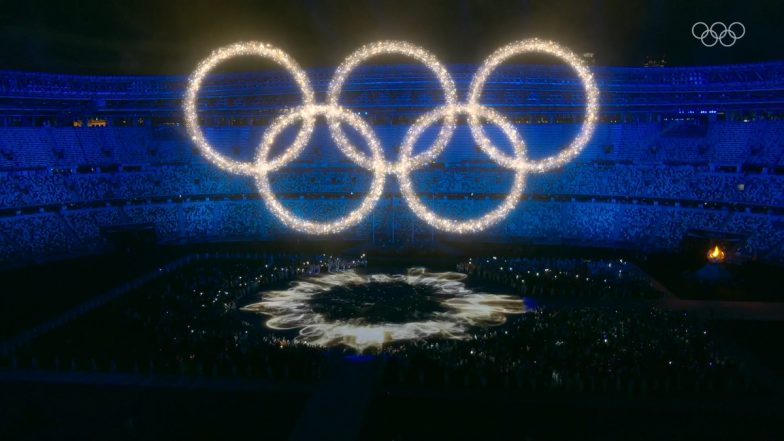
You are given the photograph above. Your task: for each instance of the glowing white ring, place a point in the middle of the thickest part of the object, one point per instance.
(547, 47)
(732, 34)
(729, 28)
(398, 48)
(263, 168)
(704, 33)
(471, 225)
(222, 54)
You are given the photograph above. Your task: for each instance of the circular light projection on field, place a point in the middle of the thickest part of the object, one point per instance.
(370, 310)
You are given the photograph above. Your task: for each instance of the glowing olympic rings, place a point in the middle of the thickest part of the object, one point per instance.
(337, 115)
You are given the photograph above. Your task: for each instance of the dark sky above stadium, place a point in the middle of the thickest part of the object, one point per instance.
(169, 37)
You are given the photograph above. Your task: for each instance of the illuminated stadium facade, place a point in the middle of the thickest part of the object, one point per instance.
(675, 150)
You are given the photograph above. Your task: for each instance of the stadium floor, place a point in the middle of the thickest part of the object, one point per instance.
(91, 405)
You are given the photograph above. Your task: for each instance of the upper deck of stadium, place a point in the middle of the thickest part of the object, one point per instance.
(545, 88)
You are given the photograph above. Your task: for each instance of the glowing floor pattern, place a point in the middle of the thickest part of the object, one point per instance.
(462, 309)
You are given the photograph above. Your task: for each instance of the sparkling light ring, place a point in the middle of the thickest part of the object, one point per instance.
(407, 166)
(583, 73)
(397, 48)
(263, 167)
(222, 54)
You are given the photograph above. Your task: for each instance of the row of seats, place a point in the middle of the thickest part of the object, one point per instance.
(649, 227)
(758, 142)
(687, 183)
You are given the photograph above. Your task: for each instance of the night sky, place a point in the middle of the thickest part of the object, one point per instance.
(169, 37)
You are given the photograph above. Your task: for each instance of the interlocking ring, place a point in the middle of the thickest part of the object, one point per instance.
(235, 50)
(387, 48)
(717, 37)
(263, 168)
(461, 226)
(408, 162)
(591, 97)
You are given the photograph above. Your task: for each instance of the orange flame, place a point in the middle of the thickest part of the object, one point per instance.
(716, 254)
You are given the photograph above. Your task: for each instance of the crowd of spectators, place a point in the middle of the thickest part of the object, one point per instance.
(719, 142)
(614, 200)
(676, 183)
(188, 322)
(574, 350)
(646, 227)
(558, 277)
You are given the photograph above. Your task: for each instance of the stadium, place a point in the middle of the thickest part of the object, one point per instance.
(632, 291)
